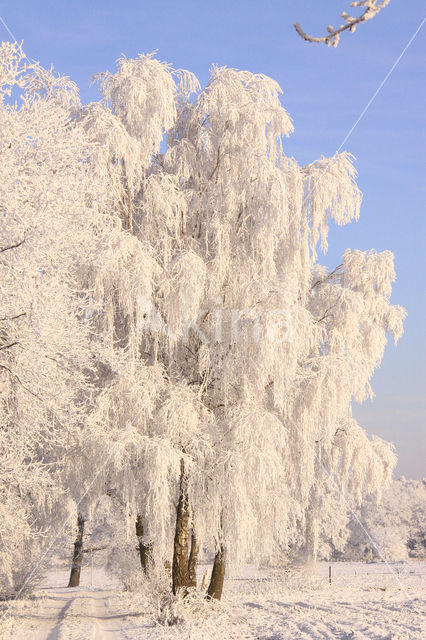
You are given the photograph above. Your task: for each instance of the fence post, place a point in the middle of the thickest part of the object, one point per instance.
(329, 574)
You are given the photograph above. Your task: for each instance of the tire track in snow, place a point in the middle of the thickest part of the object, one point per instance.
(88, 617)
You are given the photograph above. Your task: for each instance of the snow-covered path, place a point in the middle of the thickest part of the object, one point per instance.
(68, 614)
(364, 602)
(56, 612)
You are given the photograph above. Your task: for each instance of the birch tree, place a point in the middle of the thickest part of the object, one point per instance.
(50, 214)
(196, 345)
(274, 346)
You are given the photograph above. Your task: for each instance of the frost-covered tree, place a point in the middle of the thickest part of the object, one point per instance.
(49, 230)
(354, 316)
(260, 348)
(394, 529)
(212, 361)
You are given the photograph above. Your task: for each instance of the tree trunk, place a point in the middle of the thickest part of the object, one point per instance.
(312, 530)
(78, 554)
(180, 573)
(144, 549)
(218, 575)
(204, 580)
(193, 559)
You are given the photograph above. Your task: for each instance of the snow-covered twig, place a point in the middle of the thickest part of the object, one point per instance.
(372, 8)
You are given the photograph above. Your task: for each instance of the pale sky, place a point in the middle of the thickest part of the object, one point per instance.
(325, 92)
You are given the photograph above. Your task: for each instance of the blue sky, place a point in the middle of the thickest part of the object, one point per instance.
(325, 91)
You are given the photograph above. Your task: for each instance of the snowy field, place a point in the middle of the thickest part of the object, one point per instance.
(371, 601)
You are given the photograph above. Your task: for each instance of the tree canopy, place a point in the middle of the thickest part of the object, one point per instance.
(168, 335)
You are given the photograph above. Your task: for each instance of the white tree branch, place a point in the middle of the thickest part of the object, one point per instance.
(372, 8)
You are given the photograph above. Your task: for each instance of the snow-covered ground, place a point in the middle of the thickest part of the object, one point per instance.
(363, 601)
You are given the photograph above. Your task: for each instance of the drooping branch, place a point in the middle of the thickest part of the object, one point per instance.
(372, 8)
(197, 226)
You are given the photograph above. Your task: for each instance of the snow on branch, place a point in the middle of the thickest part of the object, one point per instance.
(332, 194)
(19, 315)
(372, 8)
(18, 379)
(175, 321)
(12, 246)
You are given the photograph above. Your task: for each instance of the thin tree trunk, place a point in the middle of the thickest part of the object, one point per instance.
(312, 528)
(204, 580)
(218, 575)
(78, 554)
(193, 560)
(144, 549)
(180, 573)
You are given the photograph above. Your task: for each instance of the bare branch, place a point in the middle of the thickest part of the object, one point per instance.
(20, 315)
(14, 375)
(12, 246)
(372, 8)
(329, 276)
(7, 346)
(325, 316)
